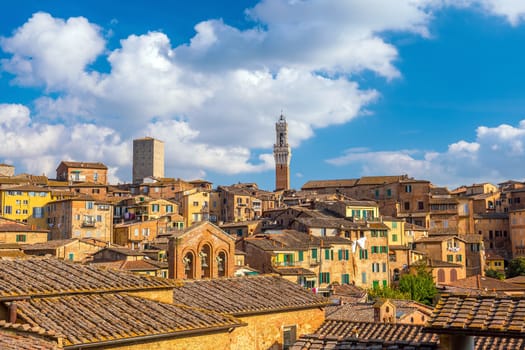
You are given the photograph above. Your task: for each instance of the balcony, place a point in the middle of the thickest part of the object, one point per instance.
(88, 223)
(285, 263)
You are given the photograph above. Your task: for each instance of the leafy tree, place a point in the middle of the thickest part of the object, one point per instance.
(495, 274)
(420, 286)
(516, 267)
(387, 293)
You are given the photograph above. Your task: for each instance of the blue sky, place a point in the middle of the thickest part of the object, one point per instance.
(430, 88)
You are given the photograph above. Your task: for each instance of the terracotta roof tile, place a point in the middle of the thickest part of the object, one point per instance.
(94, 318)
(370, 330)
(479, 315)
(339, 335)
(247, 295)
(316, 184)
(25, 337)
(484, 283)
(87, 165)
(38, 277)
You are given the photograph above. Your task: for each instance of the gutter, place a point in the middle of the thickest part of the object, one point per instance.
(229, 328)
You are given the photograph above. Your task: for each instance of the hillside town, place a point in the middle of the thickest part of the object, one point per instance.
(170, 263)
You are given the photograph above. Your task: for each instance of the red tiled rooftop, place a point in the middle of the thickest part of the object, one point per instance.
(97, 318)
(38, 277)
(479, 315)
(247, 295)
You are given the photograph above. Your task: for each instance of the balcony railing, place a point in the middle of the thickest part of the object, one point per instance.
(88, 223)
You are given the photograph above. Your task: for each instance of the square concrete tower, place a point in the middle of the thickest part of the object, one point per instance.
(148, 159)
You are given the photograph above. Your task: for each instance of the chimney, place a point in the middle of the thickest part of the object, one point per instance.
(12, 312)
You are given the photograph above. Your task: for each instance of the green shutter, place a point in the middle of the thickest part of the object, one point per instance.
(301, 255)
(314, 254)
(340, 254)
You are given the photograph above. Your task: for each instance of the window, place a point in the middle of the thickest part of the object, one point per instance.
(24, 211)
(314, 254)
(450, 258)
(384, 267)
(408, 188)
(324, 277)
(345, 278)
(363, 277)
(239, 232)
(25, 202)
(155, 208)
(375, 284)
(394, 238)
(363, 254)
(407, 205)
(420, 205)
(389, 192)
(383, 249)
(145, 232)
(394, 224)
(375, 267)
(89, 205)
(95, 190)
(71, 256)
(169, 208)
(136, 232)
(377, 193)
(8, 209)
(18, 211)
(20, 238)
(18, 202)
(289, 336)
(459, 258)
(95, 176)
(301, 256)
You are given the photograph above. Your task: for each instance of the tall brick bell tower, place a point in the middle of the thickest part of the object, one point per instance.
(282, 154)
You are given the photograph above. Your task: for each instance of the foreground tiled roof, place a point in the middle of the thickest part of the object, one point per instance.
(24, 337)
(247, 295)
(479, 315)
(98, 318)
(321, 342)
(38, 277)
(339, 335)
(376, 331)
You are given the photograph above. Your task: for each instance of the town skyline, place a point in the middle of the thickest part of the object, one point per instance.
(433, 93)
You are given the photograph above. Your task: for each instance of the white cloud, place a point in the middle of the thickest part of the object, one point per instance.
(492, 157)
(52, 51)
(215, 99)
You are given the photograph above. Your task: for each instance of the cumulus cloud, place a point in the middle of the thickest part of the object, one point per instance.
(214, 99)
(491, 156)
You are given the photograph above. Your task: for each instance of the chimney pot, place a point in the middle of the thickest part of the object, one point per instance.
(12, 312)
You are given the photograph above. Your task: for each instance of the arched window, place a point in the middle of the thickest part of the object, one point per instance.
(453, 275)
(222, 264)
(441, 275)
(189, 265)
(205, 261)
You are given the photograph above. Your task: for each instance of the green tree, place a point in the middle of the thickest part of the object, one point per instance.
(387, 293)
(516, 267)
(495, 274)
(420, 286)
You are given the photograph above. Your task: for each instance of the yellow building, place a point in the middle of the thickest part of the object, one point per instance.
(81, 217)
(25, 204)
(195, 206)
(16, 232)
